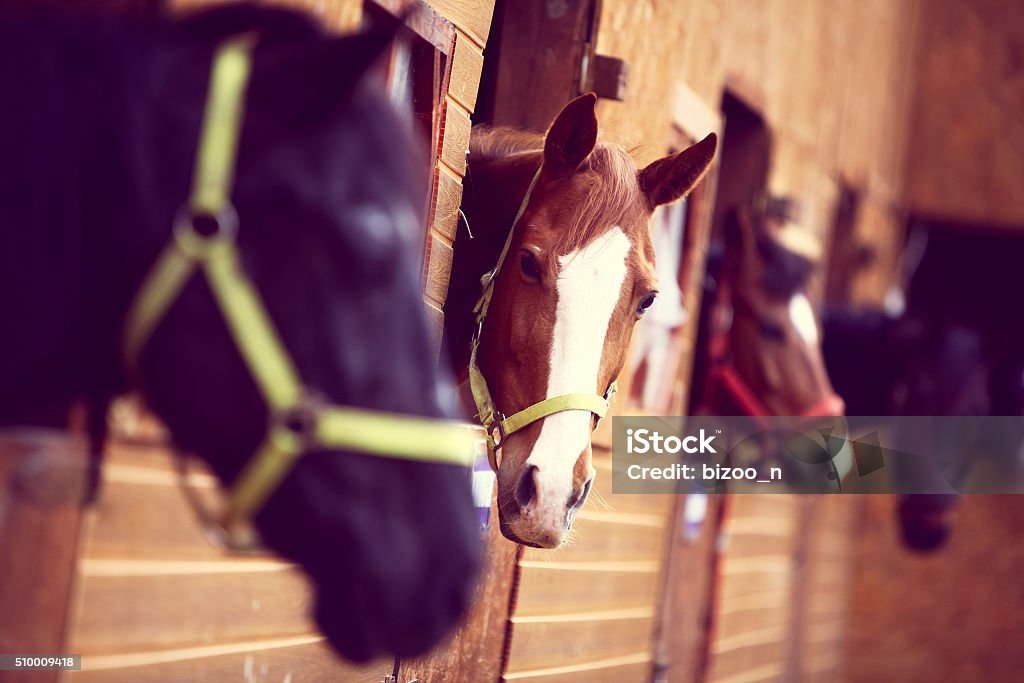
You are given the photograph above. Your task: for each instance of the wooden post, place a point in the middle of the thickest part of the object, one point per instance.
(42, 482)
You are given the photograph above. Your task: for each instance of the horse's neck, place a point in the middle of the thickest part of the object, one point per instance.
(61, 261)
(493, 194)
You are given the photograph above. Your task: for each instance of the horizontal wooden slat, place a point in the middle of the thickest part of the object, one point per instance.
(756, 564)
(750, 545)
(763, 672)
(435, 325)
(302, 659)
(624, 669)
(144, 453)
(472, 16)
(149, 612)
(467, 66)
(449, 199)
(758, 620)
(145, 521)
(455, 145)
(770, 635)
(594, 541)
(554, 591)
(561, 644)
(767, 600)
(742, 585)
(602, 498)
(439, 269)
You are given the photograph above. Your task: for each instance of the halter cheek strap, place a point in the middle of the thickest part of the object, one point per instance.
(489, 416)
(297, 423)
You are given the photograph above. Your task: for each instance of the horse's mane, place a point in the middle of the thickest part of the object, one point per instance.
(786, 272)
(614, 198)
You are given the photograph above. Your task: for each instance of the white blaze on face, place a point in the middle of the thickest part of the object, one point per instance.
(590, 282)
(802, 316)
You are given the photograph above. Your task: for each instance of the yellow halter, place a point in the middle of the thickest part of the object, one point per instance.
(297, 423)
(490, 417)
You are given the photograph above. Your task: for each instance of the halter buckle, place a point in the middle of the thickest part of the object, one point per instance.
(498, 426)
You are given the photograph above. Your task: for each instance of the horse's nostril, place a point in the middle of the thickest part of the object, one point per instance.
(576, 500)
(526, 489)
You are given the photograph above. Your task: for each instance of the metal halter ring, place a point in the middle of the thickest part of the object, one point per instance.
(299, 422)
(197, 232)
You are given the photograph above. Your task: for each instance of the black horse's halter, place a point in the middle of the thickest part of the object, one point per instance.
(204, 241)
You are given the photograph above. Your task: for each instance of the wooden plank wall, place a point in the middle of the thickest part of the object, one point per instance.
(954, 615)
(156, 601)
(967, 155)
(588, 611)
(783, 596)
(833, 81)
(472, 20)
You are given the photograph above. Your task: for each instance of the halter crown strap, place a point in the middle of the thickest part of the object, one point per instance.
(489, 416)
(297, 424)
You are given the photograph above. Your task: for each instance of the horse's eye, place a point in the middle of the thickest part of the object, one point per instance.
(773, 332)
(528, 266)
(646, 303)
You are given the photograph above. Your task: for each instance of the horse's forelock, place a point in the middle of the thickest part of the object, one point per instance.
(612, 199)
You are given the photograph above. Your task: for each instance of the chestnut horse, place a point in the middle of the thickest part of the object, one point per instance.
(759, 348)
(578, 275)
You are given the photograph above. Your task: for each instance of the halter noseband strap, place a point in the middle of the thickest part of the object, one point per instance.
(490, 417)
(297, 423)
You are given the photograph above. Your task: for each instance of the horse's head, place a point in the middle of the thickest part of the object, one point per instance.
(328, 197)
(579, 274)
(774, 342)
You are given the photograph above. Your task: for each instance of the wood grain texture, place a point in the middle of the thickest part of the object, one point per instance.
(447, 203)
(39, 542)
(563, 644)
(473, 654)
(966, 157)
(558, 591)
(539, 67)
(155, 601)
(953, 615)
(455, 141)
(472, 16)
(435, 326)
(296, 659)
(184, 609)
(467, 65)
(439, 268)
(632, 667)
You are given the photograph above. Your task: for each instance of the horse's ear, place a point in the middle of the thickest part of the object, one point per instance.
(572, 136)
(672, 177)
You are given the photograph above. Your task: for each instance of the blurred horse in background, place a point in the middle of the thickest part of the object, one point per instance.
(946, 345)
(908, 365)
(759, 349)
(98, 135)
(575, 214)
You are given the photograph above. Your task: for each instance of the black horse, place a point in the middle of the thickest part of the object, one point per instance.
(954, 350)
(908, 365)
(98, 134)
